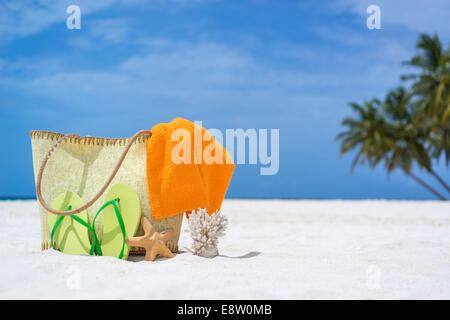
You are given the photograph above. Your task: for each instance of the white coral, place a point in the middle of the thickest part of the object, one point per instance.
(205, 232)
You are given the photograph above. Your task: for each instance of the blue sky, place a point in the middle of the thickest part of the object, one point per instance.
(291, 65)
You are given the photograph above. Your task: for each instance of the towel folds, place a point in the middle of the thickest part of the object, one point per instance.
(187, 169)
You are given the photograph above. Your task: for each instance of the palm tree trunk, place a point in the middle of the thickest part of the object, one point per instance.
(441, 181)
(426, 186)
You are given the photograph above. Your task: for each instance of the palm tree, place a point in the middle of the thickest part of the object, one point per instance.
(410, 126)
(365, 134)
(432, 89)
(408, 137)
(382, 131)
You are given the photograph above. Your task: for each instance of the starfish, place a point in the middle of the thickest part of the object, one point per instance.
(153, 242)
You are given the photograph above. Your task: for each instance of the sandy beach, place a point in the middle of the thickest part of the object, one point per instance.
(273, 249)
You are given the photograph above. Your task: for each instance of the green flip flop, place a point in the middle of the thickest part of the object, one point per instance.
(121, 216)
(70, 234)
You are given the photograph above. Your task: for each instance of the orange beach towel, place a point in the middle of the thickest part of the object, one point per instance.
(187, 169)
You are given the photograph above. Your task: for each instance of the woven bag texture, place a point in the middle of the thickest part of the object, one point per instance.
(82, 165)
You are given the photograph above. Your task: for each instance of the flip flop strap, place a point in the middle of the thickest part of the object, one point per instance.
(114, 202)
(95, 243)
(88, 204)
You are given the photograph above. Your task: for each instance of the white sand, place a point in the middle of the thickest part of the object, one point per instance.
(273, 249)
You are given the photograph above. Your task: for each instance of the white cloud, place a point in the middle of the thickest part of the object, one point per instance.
(27, 17)
(211, 80)
(112, 31)
(213, 76)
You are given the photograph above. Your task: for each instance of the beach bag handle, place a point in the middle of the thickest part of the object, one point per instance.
(102, 190)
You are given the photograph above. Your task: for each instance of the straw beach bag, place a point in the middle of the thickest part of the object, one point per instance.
(88, 166)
